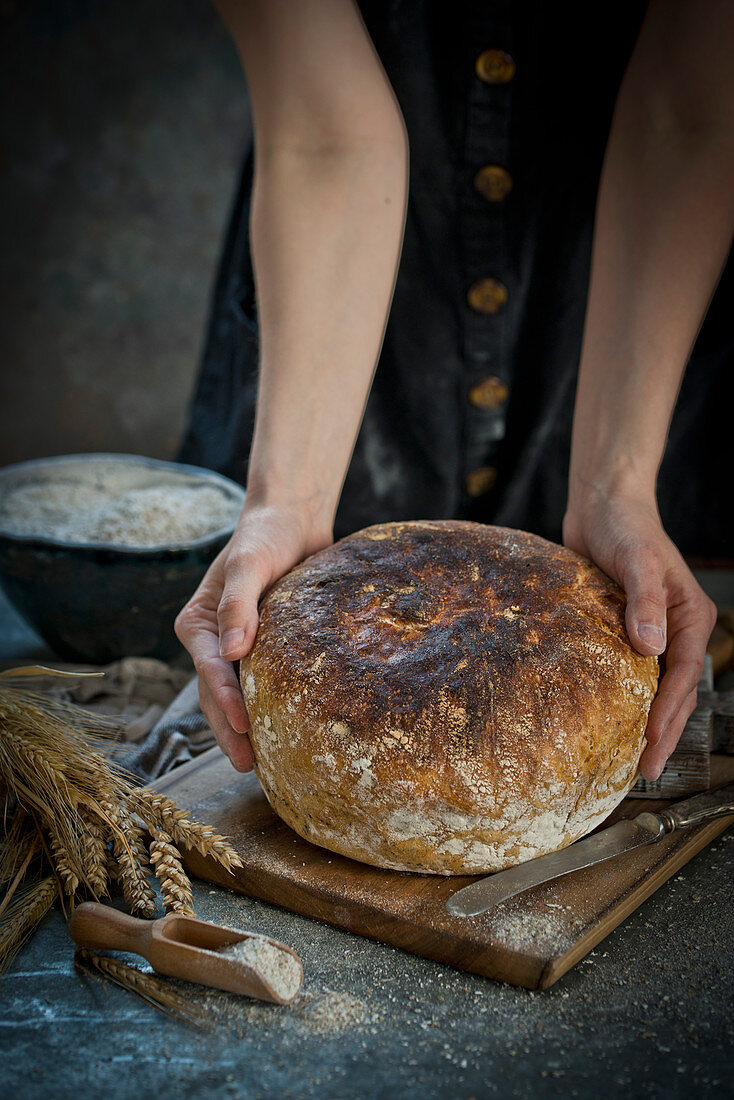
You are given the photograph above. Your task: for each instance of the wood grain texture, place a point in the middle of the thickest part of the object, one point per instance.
(529, 941)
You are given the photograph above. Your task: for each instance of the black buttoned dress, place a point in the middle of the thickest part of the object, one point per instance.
(507, 107)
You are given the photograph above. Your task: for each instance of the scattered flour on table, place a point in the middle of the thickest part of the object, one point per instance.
(98, 513)
(278, 968)
(335, 1012)
(316, 1011)
(528, 931)
(543, 924)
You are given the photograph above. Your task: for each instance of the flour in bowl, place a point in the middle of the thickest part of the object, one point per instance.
(156, 515)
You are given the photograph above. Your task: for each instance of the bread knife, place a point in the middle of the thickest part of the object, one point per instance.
(646, 828)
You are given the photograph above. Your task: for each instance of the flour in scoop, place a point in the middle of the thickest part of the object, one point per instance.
(280, 969)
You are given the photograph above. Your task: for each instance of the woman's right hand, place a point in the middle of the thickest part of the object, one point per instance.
(219, 623)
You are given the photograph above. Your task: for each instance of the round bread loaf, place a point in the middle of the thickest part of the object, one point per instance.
(445, 697)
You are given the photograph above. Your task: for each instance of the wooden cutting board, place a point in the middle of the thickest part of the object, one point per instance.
(530, 940)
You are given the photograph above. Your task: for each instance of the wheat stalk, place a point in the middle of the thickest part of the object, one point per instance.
(152, 990)
(21, 918)
(8, 897)
(175, 886)
(19, 840)
(167, 815)
(37, 720)
(49, 760)
(76, 801)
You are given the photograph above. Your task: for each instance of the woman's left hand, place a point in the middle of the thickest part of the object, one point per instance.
(668, 614)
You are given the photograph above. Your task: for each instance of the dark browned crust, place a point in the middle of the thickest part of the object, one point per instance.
(390, 620)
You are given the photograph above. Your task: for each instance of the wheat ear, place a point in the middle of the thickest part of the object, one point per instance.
(65, 861)
(152, 990)
(95, 850)
(165, 814)
(175, 885)
(22, 917)
(132, 858)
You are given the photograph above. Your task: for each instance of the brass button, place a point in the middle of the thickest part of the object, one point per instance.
(487, 296)
(493, 182)
(480, 481)
(495, 67)
(490, 393)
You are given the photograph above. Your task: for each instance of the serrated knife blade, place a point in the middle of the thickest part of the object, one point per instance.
(646, 828)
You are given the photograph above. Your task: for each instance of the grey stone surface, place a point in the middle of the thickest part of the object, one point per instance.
(122, 129)
(647, 1014)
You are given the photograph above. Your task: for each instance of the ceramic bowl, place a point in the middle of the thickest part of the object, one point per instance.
(96, 602)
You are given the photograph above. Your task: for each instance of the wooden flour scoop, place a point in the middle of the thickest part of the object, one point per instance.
(182, 947)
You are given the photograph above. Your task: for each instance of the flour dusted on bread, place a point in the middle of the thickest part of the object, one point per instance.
(445, 697)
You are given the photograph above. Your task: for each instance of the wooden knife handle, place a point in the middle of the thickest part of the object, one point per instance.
(702, 807)
(103, 928)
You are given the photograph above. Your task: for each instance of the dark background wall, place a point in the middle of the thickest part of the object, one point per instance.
(122, 128)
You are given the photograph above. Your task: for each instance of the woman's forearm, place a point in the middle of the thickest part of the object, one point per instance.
(663, 229)
(326, 236)
(327, 217)
(664, 225)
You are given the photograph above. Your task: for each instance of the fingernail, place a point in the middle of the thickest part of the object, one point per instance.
(653, 635)
(231, 641)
